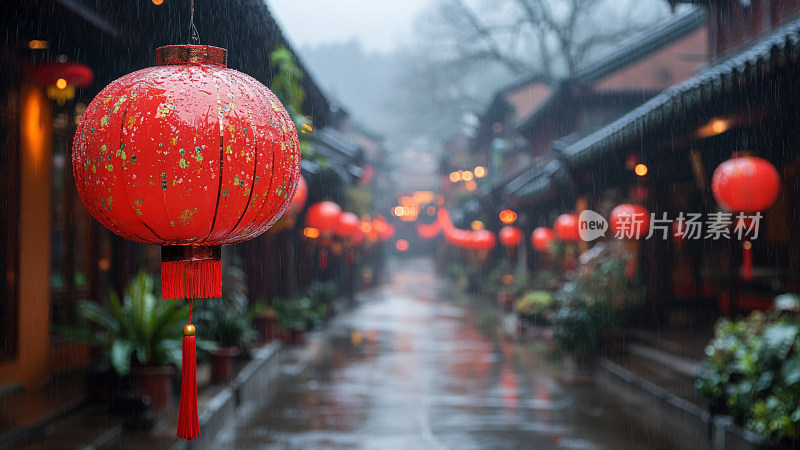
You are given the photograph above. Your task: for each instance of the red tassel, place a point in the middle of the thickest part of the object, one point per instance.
(747, 261)
(188, 421)
(191, 279)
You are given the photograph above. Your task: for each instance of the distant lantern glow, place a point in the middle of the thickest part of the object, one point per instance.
(311, 233)
(61, 83)
(430, 210)
(719, 126)
(455, 177)
(479, 172)
(476, 225)
(38, 44)
(401, 245)
(640, 170)
(467, 175)
(158, 2)
(714, 127)
(508, 216)
(471, 185)
(397, 211)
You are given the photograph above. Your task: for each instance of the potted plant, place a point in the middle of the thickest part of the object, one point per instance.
(227, 322)
(594, 307)
(232, 332)
(534, 307)
(141, 337)
(297, 315)
(752, 373)
(265, 320)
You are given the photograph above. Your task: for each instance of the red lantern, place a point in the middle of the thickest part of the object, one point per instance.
(630, 221)
(62, 78)
(324, 216)
(482, 240)
(745, 184)
(428, 231)
(542, 239)
(510, 236)
(349, 225)
(566, 228)
(189, 155)
(299, 199)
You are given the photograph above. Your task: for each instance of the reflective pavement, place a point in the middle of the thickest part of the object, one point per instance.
(416, 366)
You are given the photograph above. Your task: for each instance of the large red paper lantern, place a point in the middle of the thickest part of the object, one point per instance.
(630, 221)
(566, 227)
(188, 155)
(510, 236)
(745, 184)
(324, 216)
(349, 225)
(542, 239)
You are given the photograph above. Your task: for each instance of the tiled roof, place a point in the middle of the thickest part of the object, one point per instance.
(772, 49)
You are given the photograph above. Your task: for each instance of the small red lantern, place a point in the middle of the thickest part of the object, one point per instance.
(323, 216)
(62, 78)
(630, 221)
(349, 225)
(188, 155)
(745, 184)
(566, 228)
(510, 236)
(428, 231)
(299, 198)
(542, 239)
(482, 240)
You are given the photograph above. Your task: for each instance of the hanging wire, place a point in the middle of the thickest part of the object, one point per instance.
(194, 38)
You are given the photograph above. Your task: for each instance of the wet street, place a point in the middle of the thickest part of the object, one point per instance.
(416, 366)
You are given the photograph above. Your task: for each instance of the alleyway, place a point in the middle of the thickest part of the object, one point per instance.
(411, 368)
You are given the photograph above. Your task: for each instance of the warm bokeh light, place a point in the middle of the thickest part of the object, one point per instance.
(480, 172)
(476, 225)
(508, 279)
(471, 186)
(714, 127)
(747, 245)
(640, 170)
(397, 211)
(508, 216)
(430, 210)
(158, 2)
(401, 245)
(311, 233)
(467, 175)
(38, 44)
(455, 177)
(61, 83)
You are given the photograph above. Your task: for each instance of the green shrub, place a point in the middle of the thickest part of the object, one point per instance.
(752, 369)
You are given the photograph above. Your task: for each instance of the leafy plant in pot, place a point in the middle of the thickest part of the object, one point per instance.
(227, 322)
(298, 315)
(141, 337)
(265, 320)
(594, 307)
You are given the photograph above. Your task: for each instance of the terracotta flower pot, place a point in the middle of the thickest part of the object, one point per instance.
(222, 363)
(156, 383)
(267, 328)
(296, 336)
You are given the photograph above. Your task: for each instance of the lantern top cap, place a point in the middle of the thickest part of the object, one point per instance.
(191, 54)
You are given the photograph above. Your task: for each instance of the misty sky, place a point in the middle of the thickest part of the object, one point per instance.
(378, 25)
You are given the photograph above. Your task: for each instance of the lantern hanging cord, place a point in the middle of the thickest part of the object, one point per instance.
(194, 38)
(190, 311)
